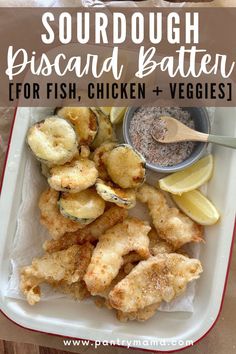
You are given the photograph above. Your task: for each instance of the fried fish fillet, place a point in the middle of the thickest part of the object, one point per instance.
(56, 224)
(107, 258)
(77, 291)
(60, 269)
(90, 233)
(171, 224)
(162, 277)
(158, 245)
(140, 315)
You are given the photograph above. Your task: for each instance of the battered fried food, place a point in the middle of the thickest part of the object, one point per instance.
(125, 198)
(107, 258)
(140, 315)
(157, 245)
(132, 257)
(52, 141)
(105, 130)
(100, 157)
(84, 121)
(171, 224)
(60, 269)
(83, 207)
(56, 224)
(78, 290)
(126, 167)
(73, 177)
(162, 277)
(90, 233)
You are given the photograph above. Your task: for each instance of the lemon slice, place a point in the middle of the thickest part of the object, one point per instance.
(189, 179)
(197, 207)
(117, 114)
(106, 110)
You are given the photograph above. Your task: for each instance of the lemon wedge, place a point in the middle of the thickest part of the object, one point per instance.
(197, 207)
(106, 110)
(117, 114)
(189, 179)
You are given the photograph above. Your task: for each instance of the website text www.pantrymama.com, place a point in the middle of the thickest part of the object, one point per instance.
(129, 343)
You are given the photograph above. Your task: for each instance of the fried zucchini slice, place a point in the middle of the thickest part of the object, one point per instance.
(105, 130)
(83, 207)
(53, 141)
(73, 177)
(125, 198)
(84, 121)
(100, 156)
(126, 167)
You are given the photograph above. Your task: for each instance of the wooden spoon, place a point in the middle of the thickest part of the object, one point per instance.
(176, 132)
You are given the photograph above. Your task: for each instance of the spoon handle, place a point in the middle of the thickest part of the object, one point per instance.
(222, 140)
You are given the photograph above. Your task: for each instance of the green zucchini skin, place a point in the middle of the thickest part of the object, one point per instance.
(122, 198)
(83, 207)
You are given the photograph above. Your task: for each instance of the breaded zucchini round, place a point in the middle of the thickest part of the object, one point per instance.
(84, 121)
(125, 198)
(83, 207)
(126, 167)
(105, 130)
(73, 177)
(100, 156)
(53, 141)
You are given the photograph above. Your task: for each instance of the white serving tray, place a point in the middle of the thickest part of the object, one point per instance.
(165, 331)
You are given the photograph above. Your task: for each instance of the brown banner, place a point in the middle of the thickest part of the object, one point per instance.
(122, 57)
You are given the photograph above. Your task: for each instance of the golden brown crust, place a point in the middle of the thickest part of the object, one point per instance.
(73, 177)
(126, 167)
(140, 315)
(100, 157)
(56, 224)
(107, 258)
(78, 290)
(84, 121)
(90, 233)
(158, 245)
(171, 224)
(159, 278)
(60, 269)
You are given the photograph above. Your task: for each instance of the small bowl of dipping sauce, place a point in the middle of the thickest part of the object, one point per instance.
(139, 123)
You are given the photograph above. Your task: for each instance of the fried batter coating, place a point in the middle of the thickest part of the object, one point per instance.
(140, 315)
(100, 157)
(107, 258)
(78, 290)
(73, 177)
(158, 245)
(90, 233)
(56, 224)
(162, 277)
(171, 224)
(131, 257)
(60, 269)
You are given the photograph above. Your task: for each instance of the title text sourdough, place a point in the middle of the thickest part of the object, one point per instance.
(116, 28)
